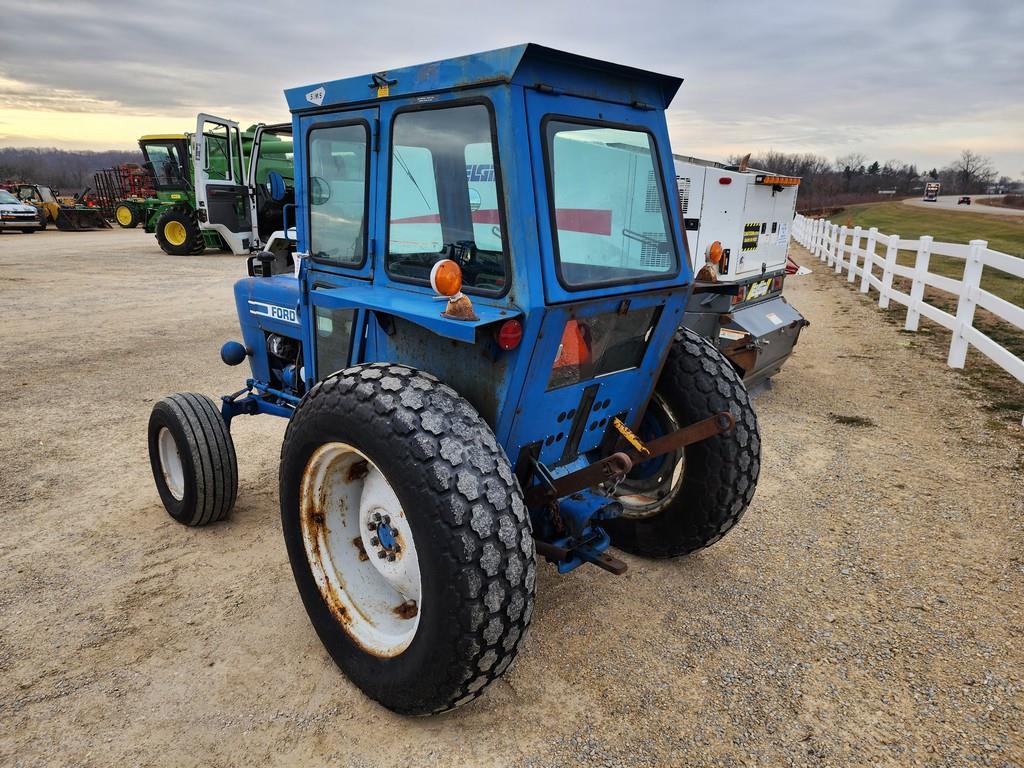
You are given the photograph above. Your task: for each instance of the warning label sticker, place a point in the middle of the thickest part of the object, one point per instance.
(750, 235)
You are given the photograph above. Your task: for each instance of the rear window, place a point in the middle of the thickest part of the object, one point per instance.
(610, 216)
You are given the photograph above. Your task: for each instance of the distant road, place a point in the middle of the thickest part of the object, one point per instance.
(948, 202)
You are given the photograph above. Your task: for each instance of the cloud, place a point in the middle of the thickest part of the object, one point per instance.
(796, 75)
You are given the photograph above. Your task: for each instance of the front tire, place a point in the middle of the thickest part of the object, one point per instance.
(686, 501)
(126, 216)
(425, 627)
(193, 459)
(178, 232)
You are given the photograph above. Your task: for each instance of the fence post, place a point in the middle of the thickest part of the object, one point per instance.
(965, 306)
(917, 287)
(830, 242)
(840, 249)
(887, 265)
(815, 238)
(854, 247)
(820, 250)
(869, 260)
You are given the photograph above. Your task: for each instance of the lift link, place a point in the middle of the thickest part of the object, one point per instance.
(621, 462)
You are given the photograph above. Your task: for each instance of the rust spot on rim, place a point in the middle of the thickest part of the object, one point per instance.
(357, 471)
(358, 542)
(406, 610)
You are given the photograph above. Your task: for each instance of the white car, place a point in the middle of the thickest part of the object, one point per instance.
(14, 214)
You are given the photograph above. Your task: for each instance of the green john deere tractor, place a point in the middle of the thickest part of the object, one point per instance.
(232, 179)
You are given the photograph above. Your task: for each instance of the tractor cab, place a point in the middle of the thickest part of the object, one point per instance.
(480, 354)
(167, 161)
(243, 180)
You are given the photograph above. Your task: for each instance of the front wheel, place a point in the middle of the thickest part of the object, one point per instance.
(193, 459)
(407, 536)
(127, 216)
(687, 500)
(178, 232)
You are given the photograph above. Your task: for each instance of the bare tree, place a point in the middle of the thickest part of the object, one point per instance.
(972, 171)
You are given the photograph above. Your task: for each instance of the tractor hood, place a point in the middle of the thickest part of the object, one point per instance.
(528, 65)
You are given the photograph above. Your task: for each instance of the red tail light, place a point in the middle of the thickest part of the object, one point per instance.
(510, 333)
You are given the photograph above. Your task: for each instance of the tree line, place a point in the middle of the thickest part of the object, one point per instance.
(69, 171)
(853, 178)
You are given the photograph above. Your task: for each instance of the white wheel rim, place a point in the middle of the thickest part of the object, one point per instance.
(170, 463)
(377, 600)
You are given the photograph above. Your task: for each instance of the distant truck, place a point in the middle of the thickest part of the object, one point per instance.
(738, 224)
(931, 191)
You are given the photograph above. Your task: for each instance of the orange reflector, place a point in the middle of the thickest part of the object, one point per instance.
(446, 277)
(715, 252)
(780, 181)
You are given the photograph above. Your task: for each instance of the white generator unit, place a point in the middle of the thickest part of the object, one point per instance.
(738, 225)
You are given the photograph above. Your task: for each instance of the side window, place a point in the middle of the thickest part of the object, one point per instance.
(444, 198)
(333, 339)
(337, 193)
(217, 160)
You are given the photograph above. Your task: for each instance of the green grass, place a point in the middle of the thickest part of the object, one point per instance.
(1003, 233)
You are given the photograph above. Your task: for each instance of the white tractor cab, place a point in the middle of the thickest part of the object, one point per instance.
(738, 224)
(245, 187)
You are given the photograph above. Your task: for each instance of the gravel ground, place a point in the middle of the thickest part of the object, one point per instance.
(866, 611)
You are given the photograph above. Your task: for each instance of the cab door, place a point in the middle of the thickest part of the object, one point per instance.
(336, 183)
(224, 202)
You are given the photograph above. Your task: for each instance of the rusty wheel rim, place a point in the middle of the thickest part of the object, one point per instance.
(360, 549)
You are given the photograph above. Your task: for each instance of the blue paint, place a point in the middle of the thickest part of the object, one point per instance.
(394, 320)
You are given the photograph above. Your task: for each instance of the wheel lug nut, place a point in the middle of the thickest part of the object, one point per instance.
(397, 549)
(374, 541)
(376, 516)
(391, 557)
(371, 526)
(382, 554)
(387, 520)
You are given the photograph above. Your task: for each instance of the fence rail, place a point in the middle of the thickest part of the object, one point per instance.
(855, 250)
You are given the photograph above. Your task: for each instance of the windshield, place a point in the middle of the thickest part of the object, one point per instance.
(166, 164)
(444, 198)
(7, 198)
(610, 215)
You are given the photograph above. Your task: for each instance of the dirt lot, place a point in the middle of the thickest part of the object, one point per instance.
(867, 610)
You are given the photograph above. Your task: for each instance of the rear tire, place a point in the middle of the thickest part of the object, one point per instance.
(29, 231)
(178, 232)
(193, 459)
(457, 508)
(703, 491)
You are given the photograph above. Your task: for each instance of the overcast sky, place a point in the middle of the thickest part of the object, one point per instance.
(913, 80)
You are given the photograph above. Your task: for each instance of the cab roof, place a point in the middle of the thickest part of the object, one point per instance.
(164, 137)
(529, 65)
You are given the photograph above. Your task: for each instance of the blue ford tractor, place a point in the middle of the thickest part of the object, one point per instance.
(477, 346)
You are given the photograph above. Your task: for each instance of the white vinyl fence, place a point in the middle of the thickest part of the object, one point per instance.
(855, 251)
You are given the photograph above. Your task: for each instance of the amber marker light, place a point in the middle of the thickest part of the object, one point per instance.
(715, 252)
(446, 278)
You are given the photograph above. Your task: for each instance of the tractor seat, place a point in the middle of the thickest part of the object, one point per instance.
(277, 186)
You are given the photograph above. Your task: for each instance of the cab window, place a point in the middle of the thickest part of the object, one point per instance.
(444, 199)
(337, 193)
(609, 214)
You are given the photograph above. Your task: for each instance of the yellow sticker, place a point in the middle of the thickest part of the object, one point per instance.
(631, 438)
(382, 91)
(175, 196)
